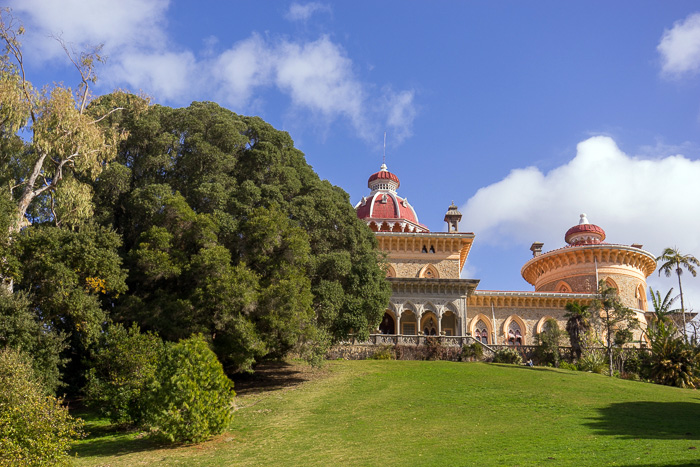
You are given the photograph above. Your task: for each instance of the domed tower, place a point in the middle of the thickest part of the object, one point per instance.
(429, 296)
(587, 259)
(383, 209)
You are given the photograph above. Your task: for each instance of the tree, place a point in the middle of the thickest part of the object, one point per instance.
(123, 371)
(548, 342)
(577, 325)
(662, 307)
(229, 232)
(675, 261)
(618, 321)
(65, 147)
(193, 399)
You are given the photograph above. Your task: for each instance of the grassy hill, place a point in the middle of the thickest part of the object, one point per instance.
(434, 413)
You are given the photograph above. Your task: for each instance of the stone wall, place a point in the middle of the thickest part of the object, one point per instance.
(447, 268)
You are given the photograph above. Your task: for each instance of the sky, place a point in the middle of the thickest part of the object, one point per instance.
(525, 114)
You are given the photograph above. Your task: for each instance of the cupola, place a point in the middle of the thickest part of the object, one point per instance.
(584, 233)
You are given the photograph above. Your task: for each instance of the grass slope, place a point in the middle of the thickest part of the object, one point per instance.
(438, 413)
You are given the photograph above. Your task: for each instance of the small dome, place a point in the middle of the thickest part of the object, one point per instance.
(383, 176)
(584, 233)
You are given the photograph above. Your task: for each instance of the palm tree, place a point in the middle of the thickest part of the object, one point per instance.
(674, 261)
(577, 325)
(662, 307)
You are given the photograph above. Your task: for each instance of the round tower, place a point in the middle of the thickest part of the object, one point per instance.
(586, 260)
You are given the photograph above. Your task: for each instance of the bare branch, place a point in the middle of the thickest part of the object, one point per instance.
(107, 114)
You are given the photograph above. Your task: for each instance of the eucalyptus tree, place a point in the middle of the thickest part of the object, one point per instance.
(675, 261)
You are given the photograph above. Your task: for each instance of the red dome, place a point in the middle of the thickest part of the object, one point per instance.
(584, 233)
(383, 175)
(386, 206)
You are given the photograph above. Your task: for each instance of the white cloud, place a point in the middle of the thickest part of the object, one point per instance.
(116, 24)
(680, 47)
(302, 12)
(167, 75)
(649, 201)
(402, 112)
(317, 76)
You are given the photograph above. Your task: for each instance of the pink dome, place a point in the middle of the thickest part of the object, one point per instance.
(584, 233)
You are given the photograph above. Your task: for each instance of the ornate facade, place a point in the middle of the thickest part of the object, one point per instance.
(430, 298)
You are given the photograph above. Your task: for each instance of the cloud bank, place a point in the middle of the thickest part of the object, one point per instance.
(652, 201)
(317, 76)
(680, 47)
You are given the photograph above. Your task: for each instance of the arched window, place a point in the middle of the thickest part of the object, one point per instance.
(432, 249)
(424, 250)
(611, 283)
(481, 332)
(429, 272)
(641, 297)
(515, 335)
(430, 327)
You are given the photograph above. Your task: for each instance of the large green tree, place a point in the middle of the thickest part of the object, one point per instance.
(673, 261)
(229, 232)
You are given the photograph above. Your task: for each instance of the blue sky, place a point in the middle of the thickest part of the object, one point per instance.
(524, 113)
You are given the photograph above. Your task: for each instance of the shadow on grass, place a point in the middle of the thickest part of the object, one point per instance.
(649, 420)
(270, 376)
(104, 439)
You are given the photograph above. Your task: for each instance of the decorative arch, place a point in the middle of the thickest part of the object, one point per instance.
(480, 324)
(515, 330)
(540, 324)
(409, 324)
(563, 287)
(641, 295)
(448, 323)
(429, 272)
(388, 324)
(373, 226)
(390, 271)
(429, 324)
(611, 283)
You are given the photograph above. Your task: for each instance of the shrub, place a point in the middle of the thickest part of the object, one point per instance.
(385, 352)
(193, 399)
(35, 429)
(123, 371)
(548, 342)
(434, 350)
(473, 351)
(593, 360)
(567, 366)
(507, 356)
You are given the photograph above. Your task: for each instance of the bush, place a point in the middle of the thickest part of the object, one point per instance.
(548, 342)
(385, 352)
(593, 360)
(123, 371)
(434, 350)
(507, 356)
(567, 366)
(35, 429)
(473, 351)
(193, 399)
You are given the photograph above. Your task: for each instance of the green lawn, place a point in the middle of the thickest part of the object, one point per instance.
(436, 413)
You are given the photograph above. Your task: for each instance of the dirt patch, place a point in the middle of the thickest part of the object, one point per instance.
(274, 376)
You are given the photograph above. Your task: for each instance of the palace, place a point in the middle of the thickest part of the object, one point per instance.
(430, 298)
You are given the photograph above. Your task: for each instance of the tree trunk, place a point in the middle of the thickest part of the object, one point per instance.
(680, 288)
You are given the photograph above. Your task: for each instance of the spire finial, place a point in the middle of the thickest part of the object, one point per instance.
(384, 156)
